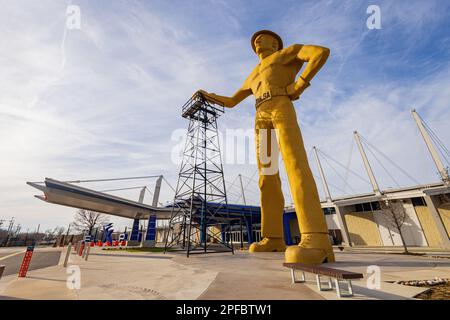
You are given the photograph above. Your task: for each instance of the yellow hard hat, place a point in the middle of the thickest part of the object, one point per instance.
(273, 34)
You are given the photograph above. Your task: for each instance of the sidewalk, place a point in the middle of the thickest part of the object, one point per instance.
(427, 251)
(125, 275)
(111, 276)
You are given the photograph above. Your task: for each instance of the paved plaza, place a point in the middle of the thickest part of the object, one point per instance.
(144, 275)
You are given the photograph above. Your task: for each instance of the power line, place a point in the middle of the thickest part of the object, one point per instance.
(384, 168)
(112, 179)
(441, 147)
(250, 180)
(337, 173)
(232, 183)
(440, 143)
(170, 186)
(348, 163)
(120, 189)
(333, 185)
(388, 159)
(285, 180)
(342, 166)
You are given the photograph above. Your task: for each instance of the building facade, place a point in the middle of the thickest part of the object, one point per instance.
(361, 220)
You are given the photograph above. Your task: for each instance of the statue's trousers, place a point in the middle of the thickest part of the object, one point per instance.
(278, 115)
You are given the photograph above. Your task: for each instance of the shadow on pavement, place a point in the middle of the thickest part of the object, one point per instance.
(129, 256)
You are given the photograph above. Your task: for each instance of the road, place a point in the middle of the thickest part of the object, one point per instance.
(42, 258)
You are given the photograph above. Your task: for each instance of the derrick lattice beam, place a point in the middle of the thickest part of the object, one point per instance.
(200, 219)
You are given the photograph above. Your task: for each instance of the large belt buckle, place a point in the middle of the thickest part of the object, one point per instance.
(264, 97)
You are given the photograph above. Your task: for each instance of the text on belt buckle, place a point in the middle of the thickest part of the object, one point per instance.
(265, 96)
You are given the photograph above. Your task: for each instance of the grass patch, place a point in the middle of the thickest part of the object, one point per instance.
(438, 292)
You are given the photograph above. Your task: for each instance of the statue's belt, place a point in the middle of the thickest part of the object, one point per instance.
(269, 94)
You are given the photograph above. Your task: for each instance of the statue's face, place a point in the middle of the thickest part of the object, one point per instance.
(266, 42)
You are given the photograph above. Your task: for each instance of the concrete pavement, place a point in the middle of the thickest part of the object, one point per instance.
(425, 251)
(125, 275)
(42, 258)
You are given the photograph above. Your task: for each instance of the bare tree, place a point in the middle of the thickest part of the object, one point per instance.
(53, 234)
(445, 198)
(85, 220)
(396, 216)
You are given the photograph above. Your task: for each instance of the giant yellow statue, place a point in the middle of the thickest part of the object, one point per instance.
(274, 85)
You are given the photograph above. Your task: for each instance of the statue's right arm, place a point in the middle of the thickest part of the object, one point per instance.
(230, 102)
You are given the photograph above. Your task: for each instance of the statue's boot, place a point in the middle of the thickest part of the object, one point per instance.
(314, 248)
(268, 245)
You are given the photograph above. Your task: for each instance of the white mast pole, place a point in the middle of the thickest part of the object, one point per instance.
(373, 181)
(434, 154)
(322, 176)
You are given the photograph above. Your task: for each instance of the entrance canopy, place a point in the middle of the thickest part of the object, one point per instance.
(66, 194)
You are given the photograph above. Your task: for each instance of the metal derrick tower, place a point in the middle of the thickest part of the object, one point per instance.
(200, 220)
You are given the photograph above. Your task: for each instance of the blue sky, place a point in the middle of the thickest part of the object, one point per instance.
(103, 101)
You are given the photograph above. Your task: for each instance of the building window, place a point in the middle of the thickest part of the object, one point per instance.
(367, 206)
(375, 206)
(328, 211)
(419, 201)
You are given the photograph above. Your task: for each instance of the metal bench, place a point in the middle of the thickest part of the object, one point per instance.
(331, 273)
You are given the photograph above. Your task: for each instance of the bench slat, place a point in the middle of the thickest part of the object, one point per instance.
(325, 271)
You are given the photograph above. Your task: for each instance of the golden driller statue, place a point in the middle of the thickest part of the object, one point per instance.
(274, 85)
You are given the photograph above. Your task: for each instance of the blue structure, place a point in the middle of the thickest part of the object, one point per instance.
(151, 229)
(66, 194)
(287, 217)
(248, 216)
(135, 234)
(251, 215)
(107, 233)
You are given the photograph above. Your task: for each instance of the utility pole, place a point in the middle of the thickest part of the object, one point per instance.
(373, 181)
(37, 234)
(67, 234)
(26, 237)
(11, 225)
(322, 176)
(434, 154)
(10, 230)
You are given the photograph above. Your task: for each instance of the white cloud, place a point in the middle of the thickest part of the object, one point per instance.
(105, 104)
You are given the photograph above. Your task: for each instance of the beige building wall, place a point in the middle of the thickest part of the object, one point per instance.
(362, 228)
(444, 213)
(214, 231)
(388, 233)
(159, 236)
(332, 221)
(412, 229)
(428, 226)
